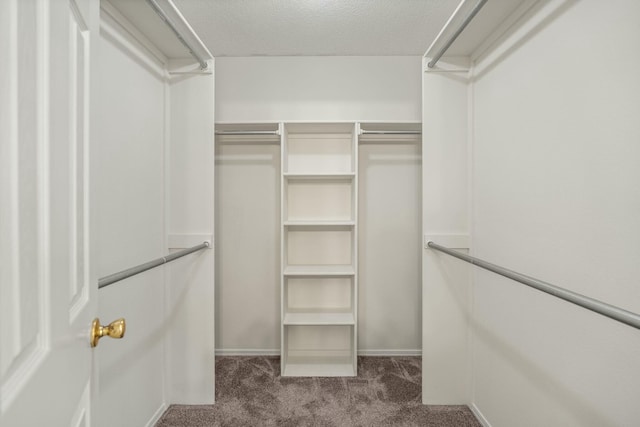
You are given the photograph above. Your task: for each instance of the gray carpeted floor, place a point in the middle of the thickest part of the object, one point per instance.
(251, 392)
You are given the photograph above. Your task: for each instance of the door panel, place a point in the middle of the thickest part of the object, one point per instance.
(24, 332)
(47, 292)
(78, 139)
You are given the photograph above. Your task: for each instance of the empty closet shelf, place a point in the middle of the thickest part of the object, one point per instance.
(319, 318)
(319, 270)
(319, 222)
(319, 176)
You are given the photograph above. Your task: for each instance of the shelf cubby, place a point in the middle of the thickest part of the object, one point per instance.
(319, 350)
(319, 197)
(319, 148)
(319, 301)
(319, 245)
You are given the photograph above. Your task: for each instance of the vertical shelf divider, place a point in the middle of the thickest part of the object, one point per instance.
(355, 154)
(284, 167)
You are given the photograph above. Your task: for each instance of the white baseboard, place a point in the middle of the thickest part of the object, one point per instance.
(479, 415)
(390, 353)
(247, 352)
(156, 416)
(276, 352)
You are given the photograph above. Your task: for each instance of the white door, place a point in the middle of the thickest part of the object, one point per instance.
(48, 287)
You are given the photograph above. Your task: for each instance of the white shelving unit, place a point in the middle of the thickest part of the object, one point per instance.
(318, 237)
(319, 250)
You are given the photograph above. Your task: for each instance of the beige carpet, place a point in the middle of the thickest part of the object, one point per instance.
(251, 392)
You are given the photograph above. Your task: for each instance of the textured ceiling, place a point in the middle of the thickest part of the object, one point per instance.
(316, 27)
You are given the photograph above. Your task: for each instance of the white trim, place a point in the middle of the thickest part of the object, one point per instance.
(13, 174)
(44, 53)
(75, 28)
(156, 416)
(166, 199)
(390, 353)
(479, 415)
(248, 352)
(471, 374)
(80, 297)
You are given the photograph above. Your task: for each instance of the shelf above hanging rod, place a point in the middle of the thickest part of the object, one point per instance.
(390, 132)
(433, 60)
(199, 51)
(248, 132)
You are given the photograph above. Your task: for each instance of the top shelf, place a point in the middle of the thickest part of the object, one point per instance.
(319, 149)
(320, 128)
(390, 133)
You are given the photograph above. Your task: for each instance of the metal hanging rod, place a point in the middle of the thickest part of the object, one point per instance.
(121, 275)
(456, 33)
(161, 13)
(248, 132)
(390, 132)
(610, 311)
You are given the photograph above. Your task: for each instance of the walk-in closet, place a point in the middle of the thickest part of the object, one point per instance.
(319, 212)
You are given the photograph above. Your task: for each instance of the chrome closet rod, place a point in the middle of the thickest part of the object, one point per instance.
(248, 132)
(456, 33)
(390, 132)
(157, 9)
(608, 310)
(121, 275)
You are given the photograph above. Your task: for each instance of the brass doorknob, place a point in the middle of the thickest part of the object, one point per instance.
(114, 329)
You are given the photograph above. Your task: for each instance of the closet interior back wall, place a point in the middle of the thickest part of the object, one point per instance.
(389, 203)
(247, 227)
(248, 248)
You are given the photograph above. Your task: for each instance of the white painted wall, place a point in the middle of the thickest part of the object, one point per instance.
(349, 88)
(445, 282)
(248, 200)
(248, 242)
(190, 288)
(389, 222)
(154, 187)
(556, 167)
(131, 229)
